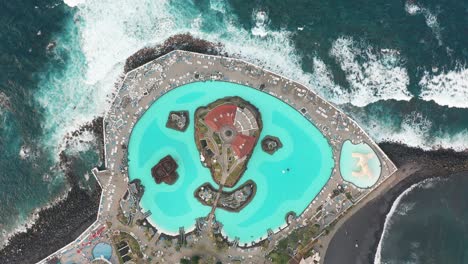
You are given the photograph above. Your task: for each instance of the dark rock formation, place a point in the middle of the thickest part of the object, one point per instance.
(57, 225)
(271, 144)
(177, 42)
(232, 201)
(290, 217)
(165, 171)
(178, 120)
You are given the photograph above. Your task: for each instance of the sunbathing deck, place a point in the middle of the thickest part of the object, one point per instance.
(144, 85)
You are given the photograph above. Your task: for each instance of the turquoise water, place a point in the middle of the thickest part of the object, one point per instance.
(349, 164)
(305, 152)
(428, 224)
(102, 249)
(53, 92)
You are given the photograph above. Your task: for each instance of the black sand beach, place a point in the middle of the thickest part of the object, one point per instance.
(364, 228)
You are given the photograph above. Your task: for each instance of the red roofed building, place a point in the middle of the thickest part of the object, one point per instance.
(220, 116)
(242, 145)
(225, 116)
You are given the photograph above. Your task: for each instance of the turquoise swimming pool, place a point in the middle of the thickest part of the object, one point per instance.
(103, 250)
(286, 181)
(364, 174)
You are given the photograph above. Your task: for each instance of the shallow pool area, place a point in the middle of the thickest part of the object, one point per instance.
(286, 181)
(359, 164)
(102, 250)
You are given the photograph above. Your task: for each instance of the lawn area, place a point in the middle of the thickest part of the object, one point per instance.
(287, 247)
(136, 254)
(235, 175)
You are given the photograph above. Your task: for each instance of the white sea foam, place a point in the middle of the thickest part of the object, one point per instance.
(449, 88)
(218, 5)
(261, 19)
(25, 152)
(29, 221)
(393, 211)
(413, 8)
(323, 81)
(6, 234)
(373, 75)
(83, 142)
(405, 208)
(109, 31)
(73, 3)
(415, 131)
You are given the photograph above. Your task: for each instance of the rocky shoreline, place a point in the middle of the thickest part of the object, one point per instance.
(55, 227)
(177, 42)
(60, 223)
(366, 225)
(227, 196)
(96, 128)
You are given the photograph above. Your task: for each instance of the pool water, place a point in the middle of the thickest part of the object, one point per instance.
(286, 181)
(349, 164)
(102, 250)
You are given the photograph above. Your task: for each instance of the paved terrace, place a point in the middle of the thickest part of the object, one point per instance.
(144, 85)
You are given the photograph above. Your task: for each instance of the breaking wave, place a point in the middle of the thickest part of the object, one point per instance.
(73, 3)
(396, 210)
(373, 75)
(413, 8)
(104, 33)
(323, 82)
(414, 130)
(449, 88)
(89, 55)
(261, 19)
(405, 208)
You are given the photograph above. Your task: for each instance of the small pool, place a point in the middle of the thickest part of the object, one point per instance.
(359, 164)
(102, 250)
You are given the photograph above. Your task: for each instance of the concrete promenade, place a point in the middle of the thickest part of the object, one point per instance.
(144, 85)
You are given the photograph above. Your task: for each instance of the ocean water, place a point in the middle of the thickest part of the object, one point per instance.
(398, 67)
(427, 224)
(305, 153)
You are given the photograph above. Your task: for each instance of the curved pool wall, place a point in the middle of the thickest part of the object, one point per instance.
(349, 164)
(102, 250)
(306, 153)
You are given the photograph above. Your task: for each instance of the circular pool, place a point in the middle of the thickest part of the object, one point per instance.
(102, 250)
(359, 164)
